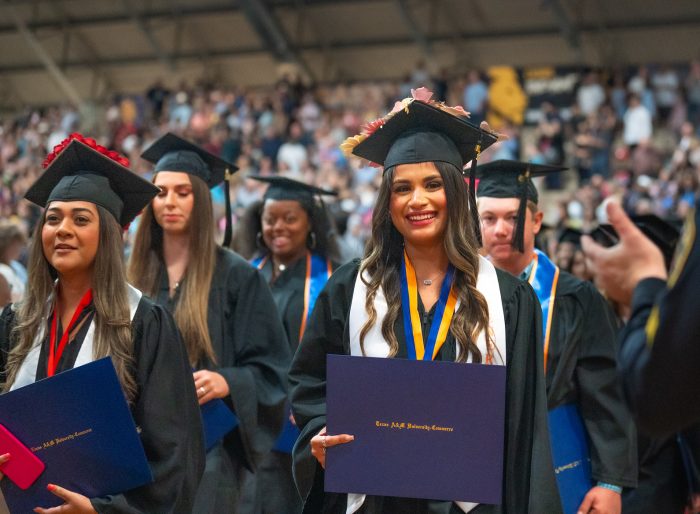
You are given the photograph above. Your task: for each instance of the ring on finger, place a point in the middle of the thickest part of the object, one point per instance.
(323, 442)
(202, 390)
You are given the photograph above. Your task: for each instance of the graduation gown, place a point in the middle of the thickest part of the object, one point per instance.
(251, 350)
(663, 482)
(288, 293)
(165, 408)
(275, 489)
(581, 369)
(529, 485)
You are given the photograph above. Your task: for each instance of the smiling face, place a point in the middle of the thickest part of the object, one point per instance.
(172, 207)
(498, 221)
(70, 236)
(418, 204)
(285, 228)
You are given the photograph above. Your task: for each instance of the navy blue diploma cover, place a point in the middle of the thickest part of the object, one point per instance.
(79, 424)
(572, 463)
(423, 429)
(217, 421)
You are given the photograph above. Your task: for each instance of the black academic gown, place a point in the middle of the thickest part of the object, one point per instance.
(252, 355)
(581, 369)
(529, 485)
(165, 408)
(663, 480)
(274, 483)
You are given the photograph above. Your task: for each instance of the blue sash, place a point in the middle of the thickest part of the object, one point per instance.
(318, 271)
(567, 435)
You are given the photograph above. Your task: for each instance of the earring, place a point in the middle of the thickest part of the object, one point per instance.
(259, 240)
(312, 242)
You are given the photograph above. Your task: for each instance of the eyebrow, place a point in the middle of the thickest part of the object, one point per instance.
(176, 186)
(74, 210)
(514, 211)
(426, 179)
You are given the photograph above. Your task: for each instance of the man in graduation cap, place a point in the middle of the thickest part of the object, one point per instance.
(588, 417)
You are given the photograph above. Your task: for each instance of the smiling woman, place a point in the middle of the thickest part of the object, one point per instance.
(422, 292)
(79, 308)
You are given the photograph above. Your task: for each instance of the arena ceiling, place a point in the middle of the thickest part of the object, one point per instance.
(81, 50)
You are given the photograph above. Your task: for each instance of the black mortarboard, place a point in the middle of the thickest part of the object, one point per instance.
(79, 172)
(172, 153)
(513, 179)
(663, 233)
(570, 235)
(283, 188)
(422, 132)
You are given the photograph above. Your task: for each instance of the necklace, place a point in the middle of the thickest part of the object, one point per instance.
(427, 282)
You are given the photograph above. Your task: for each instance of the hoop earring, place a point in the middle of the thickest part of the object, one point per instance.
(259, 241)
(312, 242)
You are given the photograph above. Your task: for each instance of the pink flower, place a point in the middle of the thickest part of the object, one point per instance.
(371, 127)
(398, 106)
(422, 94)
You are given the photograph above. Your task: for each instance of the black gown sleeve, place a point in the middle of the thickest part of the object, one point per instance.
(660, 354)
(254, 359)
(324, 335)
(529, 481)
(167, 413)
(608, 422)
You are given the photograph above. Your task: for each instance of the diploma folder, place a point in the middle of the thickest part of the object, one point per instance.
(79, 424)
(423, 429)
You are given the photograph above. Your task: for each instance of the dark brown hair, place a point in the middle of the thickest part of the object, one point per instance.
(382, 263)
(113, 334)
(146, 265)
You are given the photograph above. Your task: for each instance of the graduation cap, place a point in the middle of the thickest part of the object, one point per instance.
(172, 153)
(78, 171)
(663, 233)
(513, 179)
(570, 235)
(424, 131)
(283, 188)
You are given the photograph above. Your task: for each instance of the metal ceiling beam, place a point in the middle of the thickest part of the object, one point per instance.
(421, 40)
(145, 29)
(272, 34)
(93, 58)
(47, 61)
(156, 13)
(568, 30)
(194, 32)
(365, 43)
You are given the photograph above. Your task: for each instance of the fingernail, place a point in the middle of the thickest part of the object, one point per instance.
(5, 456)
(51, 487)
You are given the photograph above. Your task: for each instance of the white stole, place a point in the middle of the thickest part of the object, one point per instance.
(27, 371)
(376, 346)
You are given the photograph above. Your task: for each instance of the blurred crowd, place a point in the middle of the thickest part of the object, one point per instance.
(633, 134)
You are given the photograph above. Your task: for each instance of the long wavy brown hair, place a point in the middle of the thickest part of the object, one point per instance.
(147, 263)
(113, 334)
(382, 262)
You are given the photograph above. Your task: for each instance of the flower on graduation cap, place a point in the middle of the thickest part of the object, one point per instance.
(421, 94)
(88, 141)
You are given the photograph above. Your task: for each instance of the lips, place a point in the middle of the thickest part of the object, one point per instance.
(421, 218)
